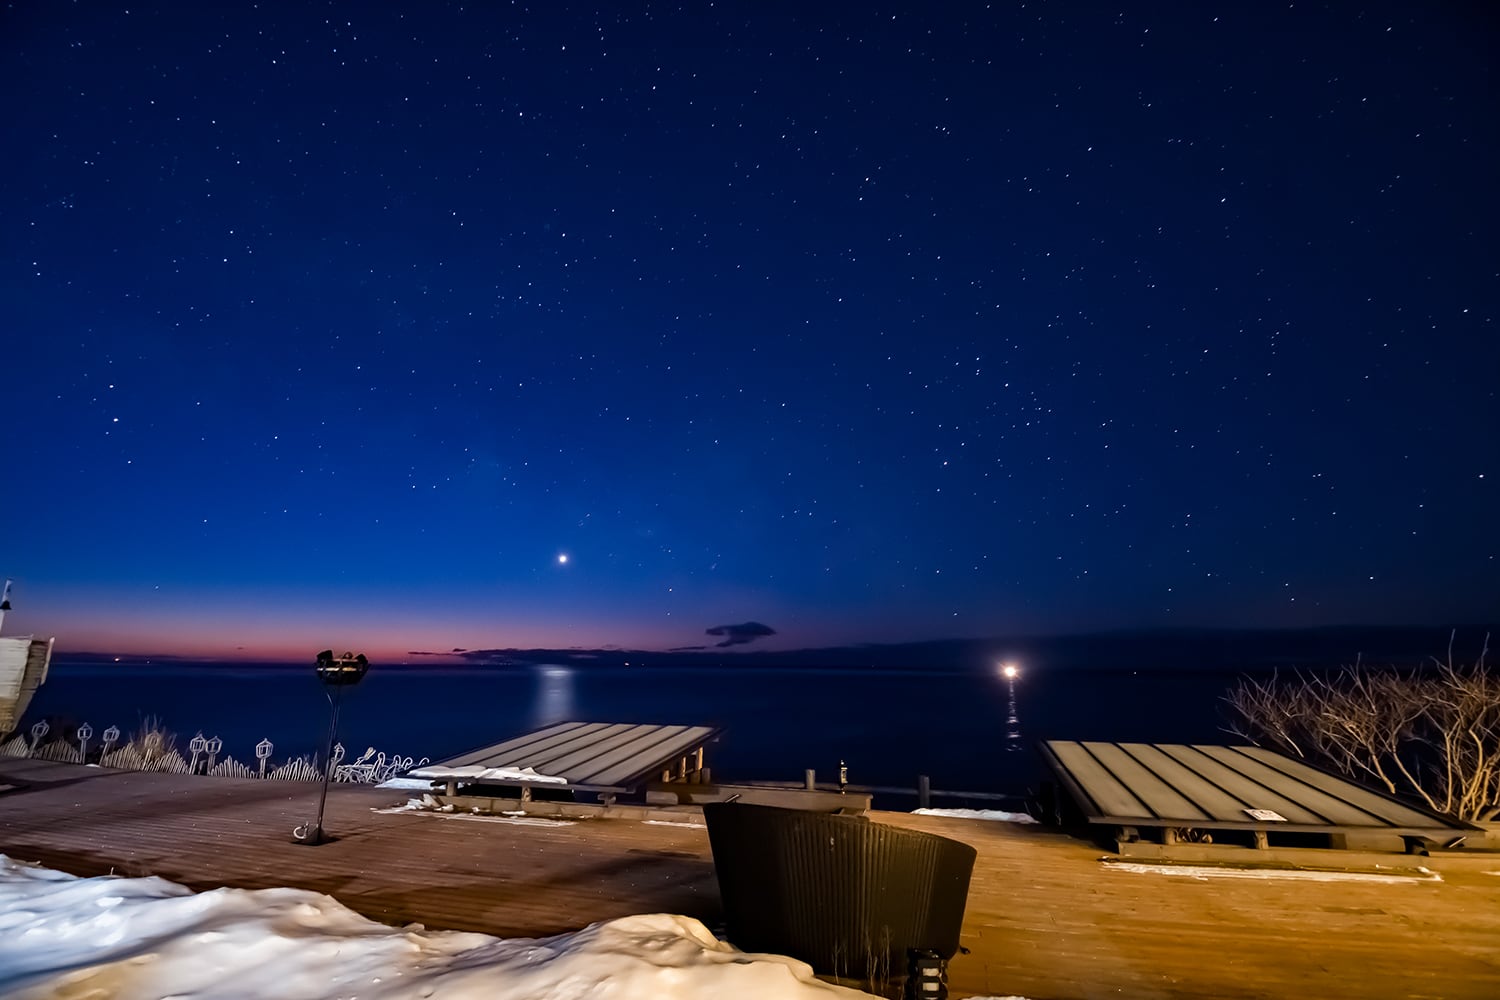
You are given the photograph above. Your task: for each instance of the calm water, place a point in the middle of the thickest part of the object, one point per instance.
(890, 726)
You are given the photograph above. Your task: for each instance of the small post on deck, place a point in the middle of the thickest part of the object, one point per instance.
(924, 792)
(810, 780)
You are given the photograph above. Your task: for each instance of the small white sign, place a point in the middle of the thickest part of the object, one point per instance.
(1266, 815)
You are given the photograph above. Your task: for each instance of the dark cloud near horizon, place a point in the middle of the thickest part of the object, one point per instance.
(739, 635)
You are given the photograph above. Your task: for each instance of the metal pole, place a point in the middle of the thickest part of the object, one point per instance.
(316, 834)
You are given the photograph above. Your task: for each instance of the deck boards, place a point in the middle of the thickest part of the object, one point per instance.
(1044, 918)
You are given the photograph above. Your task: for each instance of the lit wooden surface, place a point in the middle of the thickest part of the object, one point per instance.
(1044, 920)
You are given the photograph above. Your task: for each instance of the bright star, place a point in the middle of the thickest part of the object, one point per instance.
(562, 558)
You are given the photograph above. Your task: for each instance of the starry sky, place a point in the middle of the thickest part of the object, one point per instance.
(344, 323)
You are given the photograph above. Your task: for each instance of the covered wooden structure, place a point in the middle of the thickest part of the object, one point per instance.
(1182, 790)
(23, 669)
(607, 759)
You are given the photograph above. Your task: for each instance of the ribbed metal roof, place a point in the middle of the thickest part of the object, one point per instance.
(594, 756)
(1217, 787)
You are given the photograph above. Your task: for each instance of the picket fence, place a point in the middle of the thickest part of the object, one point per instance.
(152, 753)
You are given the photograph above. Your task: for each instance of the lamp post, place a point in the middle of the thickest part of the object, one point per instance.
(1012, 720)
(336, 673)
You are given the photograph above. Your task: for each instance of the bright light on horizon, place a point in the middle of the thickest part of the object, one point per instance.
(1011, 671)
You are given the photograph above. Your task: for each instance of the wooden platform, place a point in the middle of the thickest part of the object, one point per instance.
(584, 756)
(1045, 919)
(1208, 787)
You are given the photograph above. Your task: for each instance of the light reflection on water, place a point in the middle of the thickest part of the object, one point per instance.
(1012, 720)
(554, 696)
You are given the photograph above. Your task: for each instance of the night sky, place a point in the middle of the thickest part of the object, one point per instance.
(344, 323)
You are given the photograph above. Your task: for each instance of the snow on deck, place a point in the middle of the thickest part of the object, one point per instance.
(476, 773)
(150, 938)
(993, 815)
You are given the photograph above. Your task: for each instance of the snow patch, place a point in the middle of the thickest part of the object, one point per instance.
(1205, 872)
(426, 807)
(670, 822)
(407, 784)
(474, 772)
(129, 938)
(998, 815)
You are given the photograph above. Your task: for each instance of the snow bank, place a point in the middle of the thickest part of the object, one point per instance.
(149, 938)
(998, 815)
(475, 773)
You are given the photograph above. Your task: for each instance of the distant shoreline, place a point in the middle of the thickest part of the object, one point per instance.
(1157, 649)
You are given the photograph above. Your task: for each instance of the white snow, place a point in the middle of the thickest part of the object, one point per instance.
(474, 772)
(407, 784)
(671, 822)
(149, 938)
(1205, 872)
(998, 815)
(427, 806)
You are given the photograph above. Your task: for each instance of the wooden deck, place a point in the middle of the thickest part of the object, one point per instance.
(1045, 919)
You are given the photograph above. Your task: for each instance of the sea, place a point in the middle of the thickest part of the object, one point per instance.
(944, 711)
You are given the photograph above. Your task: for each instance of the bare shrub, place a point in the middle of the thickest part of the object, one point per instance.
(1431, 731)
(153, 740)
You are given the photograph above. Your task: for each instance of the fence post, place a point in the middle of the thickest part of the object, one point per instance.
(810, 780)
(924, 791)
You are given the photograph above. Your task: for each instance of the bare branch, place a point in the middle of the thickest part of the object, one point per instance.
(1431, 732)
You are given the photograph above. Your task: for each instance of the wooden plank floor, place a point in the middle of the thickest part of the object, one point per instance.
(1045, 919)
